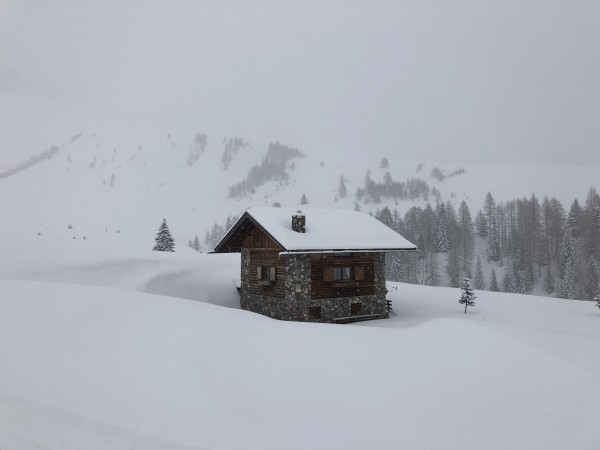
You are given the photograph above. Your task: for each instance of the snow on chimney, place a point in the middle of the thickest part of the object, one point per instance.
(299, 222)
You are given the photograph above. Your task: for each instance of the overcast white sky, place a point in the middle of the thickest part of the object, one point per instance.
(438, 80)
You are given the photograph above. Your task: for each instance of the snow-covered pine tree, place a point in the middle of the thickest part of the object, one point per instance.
(442, 235)
(593, 277)
(396, 267)
(481, 225)
(467, 297)
(196, 243)
(452, 266)
(568, 262)
(511, 282)
(591, 232)
(494, 282)
(164, 240)
(574, 217)
(489, 210)
(465, 237)
(303, 200)
(494, 240)
(479, 281)
(342, 191)
(385, 216)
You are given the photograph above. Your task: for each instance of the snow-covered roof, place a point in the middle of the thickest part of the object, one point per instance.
(327, 230)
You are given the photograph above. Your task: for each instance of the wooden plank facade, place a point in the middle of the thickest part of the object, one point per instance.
(268, 258)
(324, 284)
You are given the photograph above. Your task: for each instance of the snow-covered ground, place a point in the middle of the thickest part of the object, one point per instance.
(107, 345)
(90, 360)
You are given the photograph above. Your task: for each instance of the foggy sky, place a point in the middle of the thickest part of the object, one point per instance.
(444, 80)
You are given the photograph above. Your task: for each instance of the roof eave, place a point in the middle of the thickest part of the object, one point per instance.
(236, 226)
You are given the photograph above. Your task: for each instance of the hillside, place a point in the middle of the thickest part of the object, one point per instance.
(110, 191)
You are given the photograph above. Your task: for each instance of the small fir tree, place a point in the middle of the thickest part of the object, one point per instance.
(467, 297)
(494, 282)
(303, 200)
(196, 243)
(479, 281)
(164, 240)
(342, 191)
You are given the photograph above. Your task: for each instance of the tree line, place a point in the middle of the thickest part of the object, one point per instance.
(528, 241)
(272, 167)
(47, 154)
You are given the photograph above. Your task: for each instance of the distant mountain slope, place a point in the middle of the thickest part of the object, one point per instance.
(114, 190)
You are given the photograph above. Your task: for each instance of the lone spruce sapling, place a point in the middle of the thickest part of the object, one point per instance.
(467, 297)
(164, 240)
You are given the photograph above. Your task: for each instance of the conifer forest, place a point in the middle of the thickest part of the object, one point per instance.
(532, 242)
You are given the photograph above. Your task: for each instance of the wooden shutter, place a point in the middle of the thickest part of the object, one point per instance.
(259, 273)
(271, 273)
(359, 273)
(328, 274)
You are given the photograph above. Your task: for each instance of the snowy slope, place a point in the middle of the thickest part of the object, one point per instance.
(119, 369)
(91, 358)
(101, 185)
(88, 356)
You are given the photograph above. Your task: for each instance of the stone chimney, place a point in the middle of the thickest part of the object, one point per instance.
(299, 222)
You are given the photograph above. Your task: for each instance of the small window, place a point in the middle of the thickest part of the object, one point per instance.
(265, 274)
(355, 309)
(342, 273)
(314, 312)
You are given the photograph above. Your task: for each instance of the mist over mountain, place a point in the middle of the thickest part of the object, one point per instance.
(443, 81)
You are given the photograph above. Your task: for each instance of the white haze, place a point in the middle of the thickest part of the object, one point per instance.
(462, 81)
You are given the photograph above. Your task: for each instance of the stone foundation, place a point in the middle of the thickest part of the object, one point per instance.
(295, 306)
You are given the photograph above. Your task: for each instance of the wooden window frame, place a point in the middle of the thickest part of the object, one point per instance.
(337, 274)
(341, 274)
